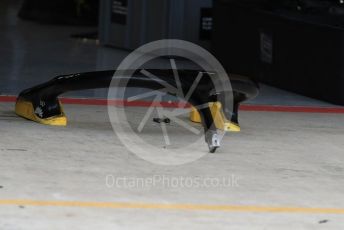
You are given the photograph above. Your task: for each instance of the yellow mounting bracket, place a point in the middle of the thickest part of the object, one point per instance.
(219, 118)
(25, 109)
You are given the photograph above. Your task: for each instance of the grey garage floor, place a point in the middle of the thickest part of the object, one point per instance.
(286, 172)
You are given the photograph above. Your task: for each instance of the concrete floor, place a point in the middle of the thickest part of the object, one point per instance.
(279, 160)
(285, 170)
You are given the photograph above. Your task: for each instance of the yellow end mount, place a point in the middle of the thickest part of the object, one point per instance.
(26, 109)
(219, 118)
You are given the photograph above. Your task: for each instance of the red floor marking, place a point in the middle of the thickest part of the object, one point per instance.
(252, 108)
(165, 104)
(291, 109)
(8, 99)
